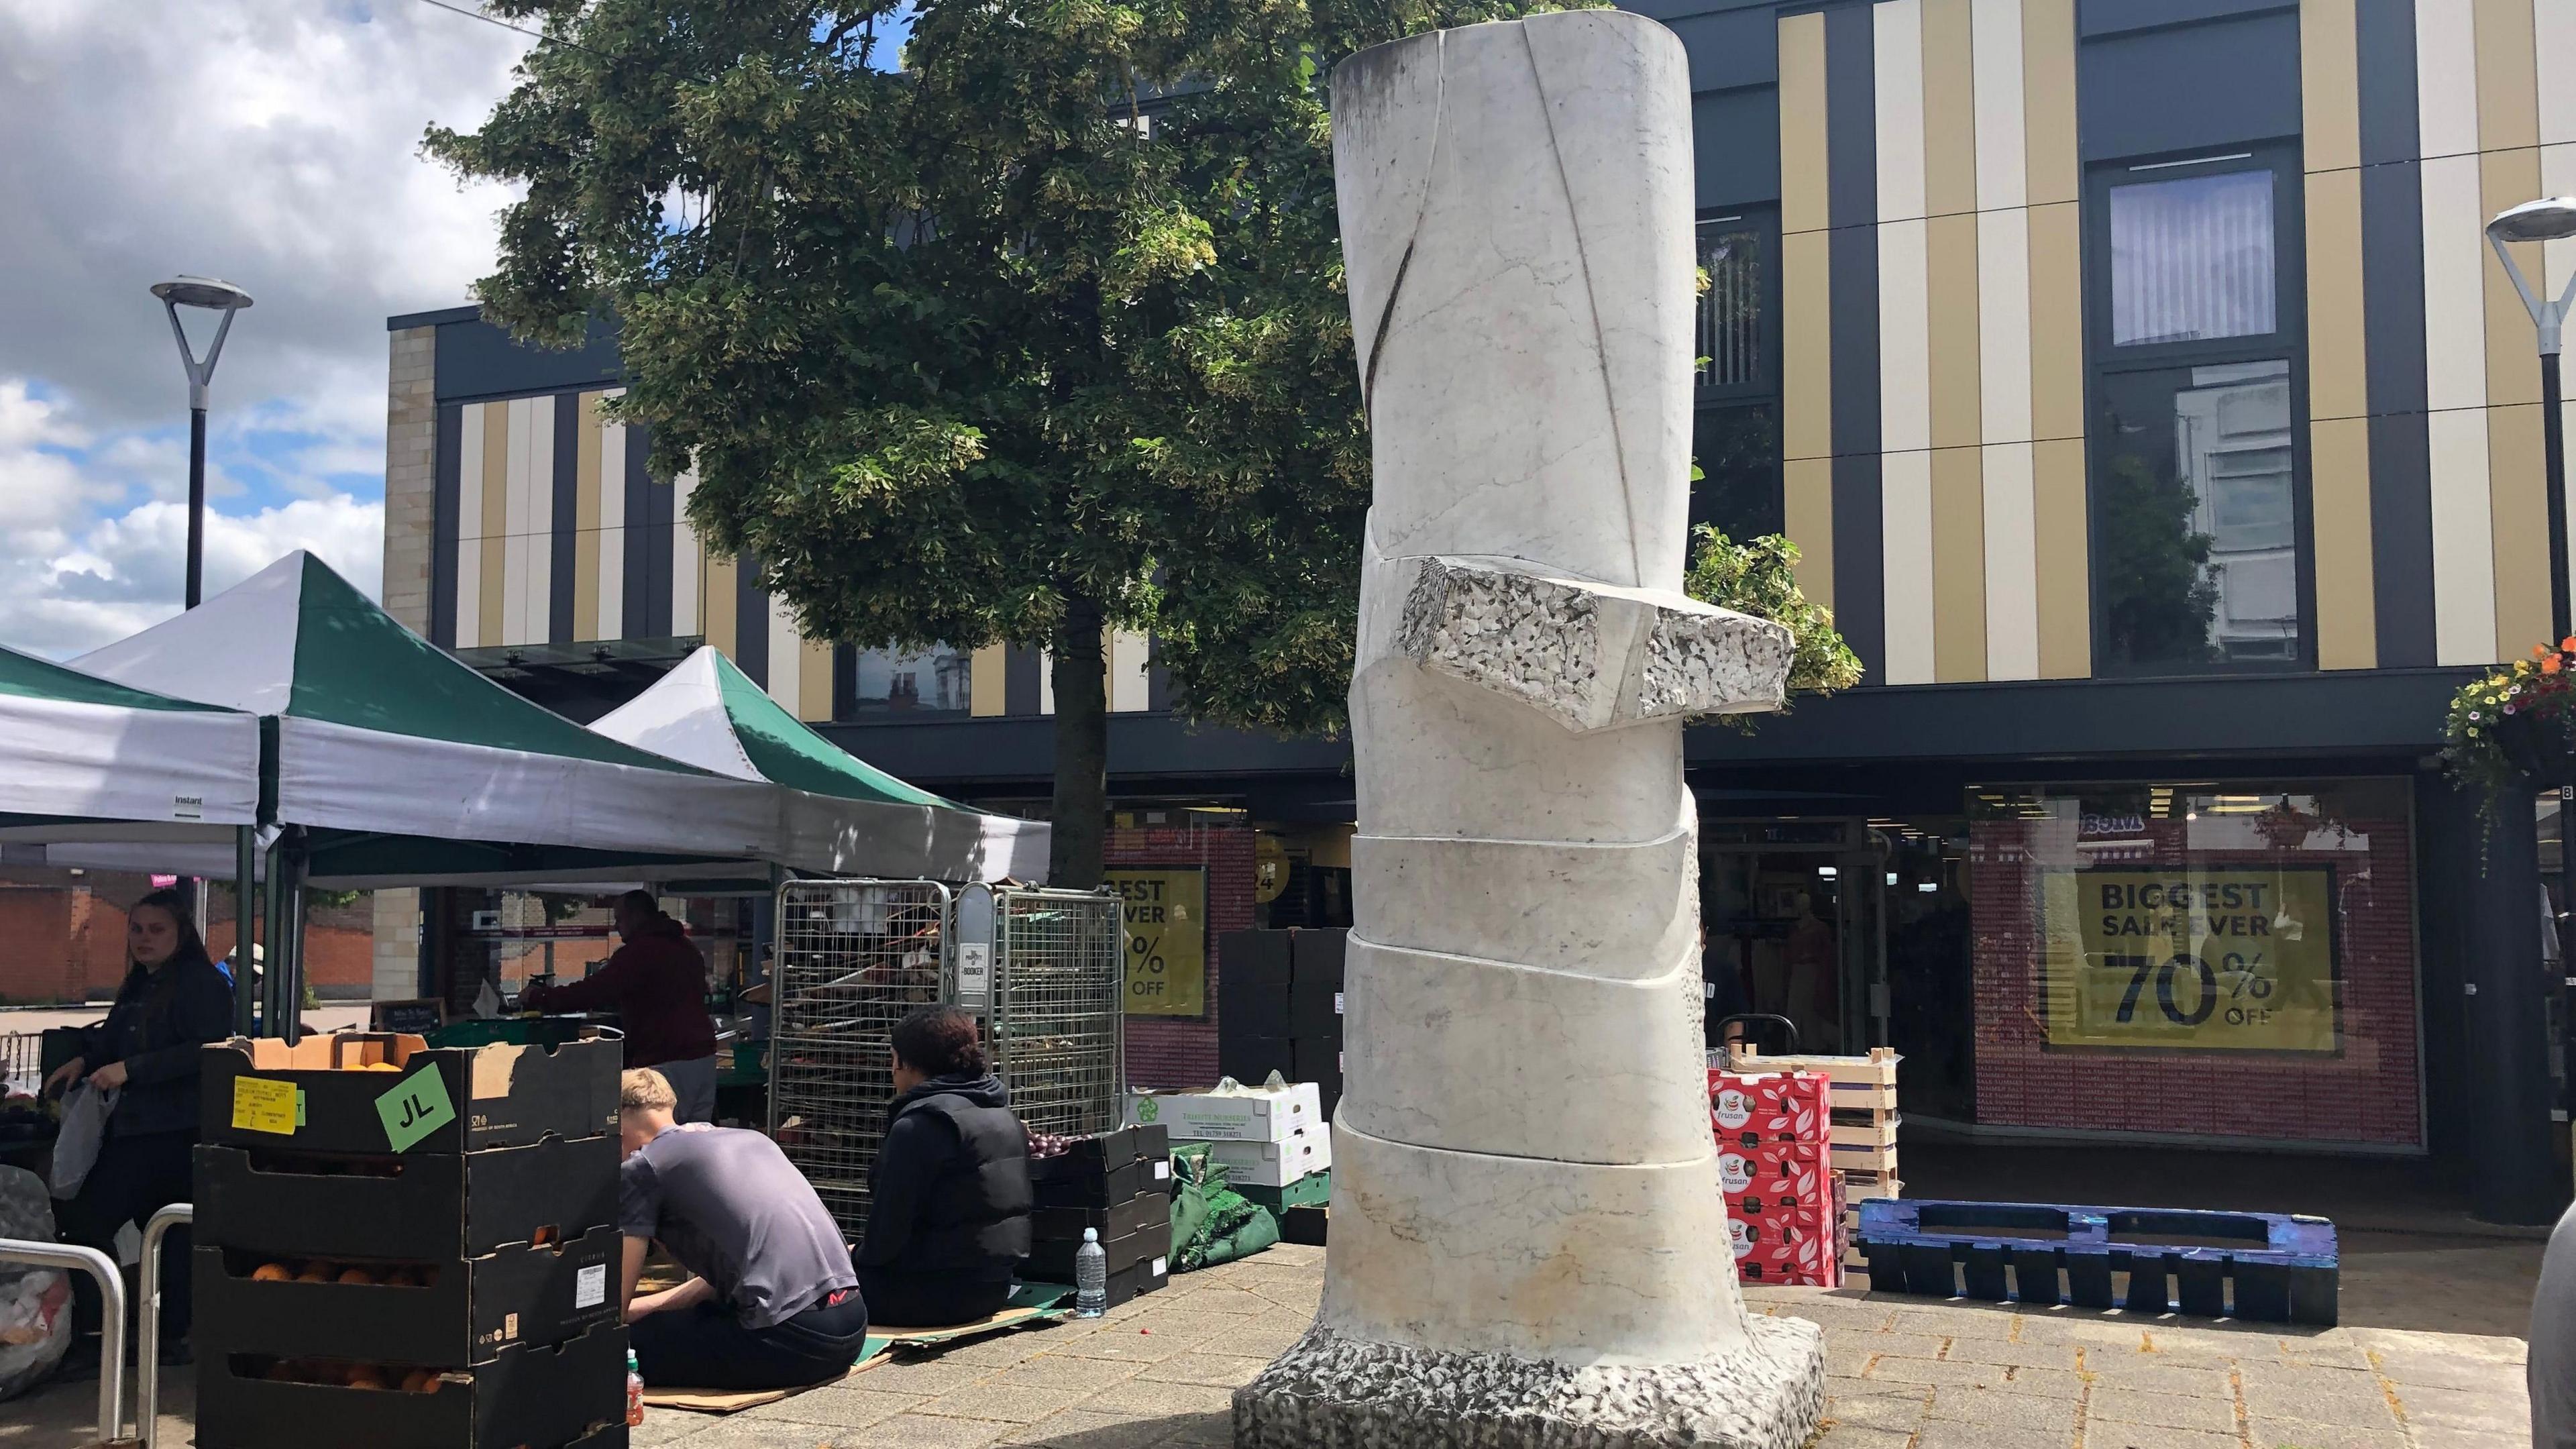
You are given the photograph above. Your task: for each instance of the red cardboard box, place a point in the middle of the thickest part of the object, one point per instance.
(1784, 1209)
(1776, 1252)
(1769, 1108)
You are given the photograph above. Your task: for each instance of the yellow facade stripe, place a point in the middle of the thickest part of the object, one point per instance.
(1806, 345)
(2065, 560)
(497, 446)
(2521, 505)
(1958, 564)
(1958, 418)
(2056, 322)
(1949, 109)
(2508, 74)
(2347, 600)
(2339, 437)
(718, 610)
(814, 681)
(2048, 99)
(1807, 506)
(2505, 179)
(1803, 204)
(585, 538)
(984, 680)
(2329, 86)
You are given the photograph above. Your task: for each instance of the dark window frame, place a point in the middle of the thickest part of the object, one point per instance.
(2287, 342)
(1764, 390)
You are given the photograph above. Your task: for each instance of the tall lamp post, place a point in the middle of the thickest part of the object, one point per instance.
(227, 299)
(2552, 218)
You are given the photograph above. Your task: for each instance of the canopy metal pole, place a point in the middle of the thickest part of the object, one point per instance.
(272, 1020)
(111, 1322)
(246, 914)
(147, 1365)
(290, 975)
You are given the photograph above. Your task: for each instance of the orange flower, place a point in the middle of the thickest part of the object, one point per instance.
(2569, 644)
(2549, 665)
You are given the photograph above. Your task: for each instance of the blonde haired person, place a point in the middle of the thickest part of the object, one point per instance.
(771, 1301)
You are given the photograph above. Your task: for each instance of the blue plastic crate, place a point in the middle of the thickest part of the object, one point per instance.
(2282, 1268)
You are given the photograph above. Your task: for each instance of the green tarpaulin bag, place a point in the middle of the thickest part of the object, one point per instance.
(1211, 1223)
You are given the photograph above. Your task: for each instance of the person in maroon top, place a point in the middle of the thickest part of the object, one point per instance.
(657, 985)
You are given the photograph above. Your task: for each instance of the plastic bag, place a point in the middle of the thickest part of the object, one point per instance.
(35, 1303)
(84, 1129)
(1211, 1222)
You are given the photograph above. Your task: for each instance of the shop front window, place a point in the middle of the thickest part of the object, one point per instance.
(878, 684)
(2196, 958)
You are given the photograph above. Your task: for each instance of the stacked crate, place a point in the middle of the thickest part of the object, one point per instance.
(1119, 1185)
(408, 1248)
(1279, 1008)
(1862, 1095)
(1783, 1201)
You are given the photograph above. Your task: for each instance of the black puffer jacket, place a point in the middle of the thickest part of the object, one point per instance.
(950, 1191)
(157, 1024)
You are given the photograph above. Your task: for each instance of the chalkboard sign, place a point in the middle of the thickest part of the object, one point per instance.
(419, 1018)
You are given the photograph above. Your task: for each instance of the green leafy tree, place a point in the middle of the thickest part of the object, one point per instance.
(1044, 336)
(1761, 578)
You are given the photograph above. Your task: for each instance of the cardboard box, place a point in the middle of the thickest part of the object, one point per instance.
(1784, 1208)
(1273, 1164)
(1785, 1253)
(379, 1093)
(1768, 1108)
(1051, 1261)
(556, 1395)
(1146, 1212)
(1252, 983)
(1254, 1058)
(1315, 983)
(1251, 1116)
(1143, 1278)
(470, 1310)
(1313, 1189)
(1099, 1189)
(432, 1208)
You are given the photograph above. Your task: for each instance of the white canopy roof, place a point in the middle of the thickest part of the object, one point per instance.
(87, 761)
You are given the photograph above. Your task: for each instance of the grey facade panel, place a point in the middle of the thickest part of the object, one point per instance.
(636, 610)
(567, 518)
(479, 360)
(750, 620)
(2115, 17)
(2189, 88)
(445, 502)
(1730, 49)
(1735, 146)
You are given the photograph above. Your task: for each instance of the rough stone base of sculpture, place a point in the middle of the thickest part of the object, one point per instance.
(1337, 1393)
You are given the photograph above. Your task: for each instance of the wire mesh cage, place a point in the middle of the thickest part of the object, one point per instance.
(852, 959)
(1058, 1008)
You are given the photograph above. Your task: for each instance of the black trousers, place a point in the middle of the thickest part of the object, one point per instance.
(134, 1178)
(706, 1347)
(930, 1300)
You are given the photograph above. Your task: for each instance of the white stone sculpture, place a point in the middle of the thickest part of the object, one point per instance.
(1529, 1245)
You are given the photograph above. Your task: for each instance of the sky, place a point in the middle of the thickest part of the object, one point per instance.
(274, 144)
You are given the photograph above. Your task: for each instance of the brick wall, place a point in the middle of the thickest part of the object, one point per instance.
(1177, 1052)
(62, 937)
(2366, 1093)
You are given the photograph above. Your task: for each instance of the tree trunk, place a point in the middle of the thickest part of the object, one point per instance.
(1081, 677)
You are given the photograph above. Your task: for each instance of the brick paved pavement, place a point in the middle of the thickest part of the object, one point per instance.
(1905, 1374)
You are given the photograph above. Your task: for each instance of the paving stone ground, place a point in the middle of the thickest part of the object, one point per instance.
(1905, 1373)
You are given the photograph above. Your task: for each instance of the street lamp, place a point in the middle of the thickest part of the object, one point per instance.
(226, 298)
(2552, 218)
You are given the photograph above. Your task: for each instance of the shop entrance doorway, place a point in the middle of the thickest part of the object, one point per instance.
(1796, 919)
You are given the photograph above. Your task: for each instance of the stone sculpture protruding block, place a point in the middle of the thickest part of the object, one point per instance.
(1529, 1240)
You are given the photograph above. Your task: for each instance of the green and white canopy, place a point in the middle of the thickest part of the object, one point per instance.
(89, 761)
(840, 815)
(407, 767)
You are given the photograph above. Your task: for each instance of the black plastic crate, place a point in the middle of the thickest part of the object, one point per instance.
(416, 1208)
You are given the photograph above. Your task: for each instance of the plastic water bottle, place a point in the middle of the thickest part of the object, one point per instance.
(1090, 1277)
(634, 1391)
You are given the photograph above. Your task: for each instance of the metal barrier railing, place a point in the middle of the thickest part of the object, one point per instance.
(111, 1323)
(147, 1372)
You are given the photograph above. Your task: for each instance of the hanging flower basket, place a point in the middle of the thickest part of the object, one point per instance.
(2514, 727)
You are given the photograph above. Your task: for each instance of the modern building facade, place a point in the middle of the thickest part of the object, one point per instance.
(2137, 386)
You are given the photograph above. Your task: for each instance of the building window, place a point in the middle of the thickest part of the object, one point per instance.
(1735, 438)
(2198, 442)
(880, 684)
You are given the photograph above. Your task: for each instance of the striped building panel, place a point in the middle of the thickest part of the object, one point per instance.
(2338, 376)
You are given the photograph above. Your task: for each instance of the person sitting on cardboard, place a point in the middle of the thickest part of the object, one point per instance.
(949, 1197)
(771, 1301)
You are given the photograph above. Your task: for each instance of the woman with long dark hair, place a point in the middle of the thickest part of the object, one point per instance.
(174, 1001)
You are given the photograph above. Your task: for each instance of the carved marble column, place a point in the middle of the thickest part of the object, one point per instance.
(1529, 1245)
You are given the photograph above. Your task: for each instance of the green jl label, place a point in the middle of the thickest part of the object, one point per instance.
(416, 1108)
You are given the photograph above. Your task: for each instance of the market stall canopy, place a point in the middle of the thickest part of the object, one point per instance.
(85, 761)
(407, 767)
(842, 815)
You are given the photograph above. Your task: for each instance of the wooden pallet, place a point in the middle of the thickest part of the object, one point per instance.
(1859, 1083)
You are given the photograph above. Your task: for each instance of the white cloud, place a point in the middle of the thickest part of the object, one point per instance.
(273, 143)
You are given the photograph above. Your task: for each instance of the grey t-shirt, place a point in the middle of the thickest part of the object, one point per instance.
(734, 1211)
